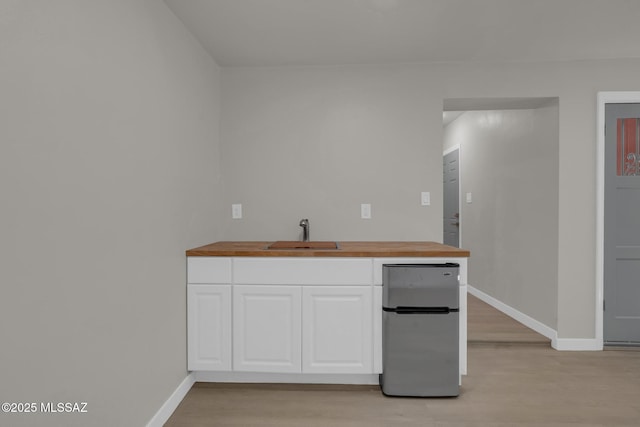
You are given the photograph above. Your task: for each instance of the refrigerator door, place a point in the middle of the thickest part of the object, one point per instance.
(420, 355)
(420, 285)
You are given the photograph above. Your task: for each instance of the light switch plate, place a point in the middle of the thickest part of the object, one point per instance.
(365, 211)
(469, 198)
(425, 198)
(236, 211)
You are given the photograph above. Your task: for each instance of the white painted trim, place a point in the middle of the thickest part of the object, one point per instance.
(576, 344)
(528, 321)
(603, 98)
(267, 377)
(170, 405)
(444, 153)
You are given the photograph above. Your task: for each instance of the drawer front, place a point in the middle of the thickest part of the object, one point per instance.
(307, 271)
(208, 270)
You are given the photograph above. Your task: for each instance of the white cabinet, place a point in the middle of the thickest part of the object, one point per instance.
(209, 327)
(337, 329)
(267, 328)
(310, 329)
(257, 319)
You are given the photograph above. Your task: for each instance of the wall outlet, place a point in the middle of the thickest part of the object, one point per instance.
(469, 199)
(365, 211)
(236, 211)
(425, 198)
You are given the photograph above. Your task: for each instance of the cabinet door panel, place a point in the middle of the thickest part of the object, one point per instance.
(209, 327)
(337, 329)
(266, 328)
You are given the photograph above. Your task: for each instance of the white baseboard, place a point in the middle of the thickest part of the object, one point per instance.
(529, 322)
(577, 344)
(170, 405)
(265, 377)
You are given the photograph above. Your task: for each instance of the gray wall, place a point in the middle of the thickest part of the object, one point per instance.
(509, 163)
(318, 141)
(108, 172)
(111, 121)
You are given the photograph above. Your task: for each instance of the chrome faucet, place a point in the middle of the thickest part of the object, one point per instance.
(304, 223)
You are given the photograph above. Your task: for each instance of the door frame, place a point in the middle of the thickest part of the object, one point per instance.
(604, 98)
(444, 153)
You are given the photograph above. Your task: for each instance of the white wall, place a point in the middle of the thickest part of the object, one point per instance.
(108, 172)
(318, 141)
(509, 163)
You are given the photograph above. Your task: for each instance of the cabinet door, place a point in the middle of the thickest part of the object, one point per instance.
(209, 327)
(266, 328)
(337, 329)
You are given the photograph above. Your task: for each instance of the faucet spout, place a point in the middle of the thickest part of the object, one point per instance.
(304, 223)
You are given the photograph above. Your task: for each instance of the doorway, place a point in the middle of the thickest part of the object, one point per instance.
(451, 197)
(508, 202)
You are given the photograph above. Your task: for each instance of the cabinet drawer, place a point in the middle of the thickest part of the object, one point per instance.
(307, 271)
(208, 270)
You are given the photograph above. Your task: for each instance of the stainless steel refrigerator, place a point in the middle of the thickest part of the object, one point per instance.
(420, 348)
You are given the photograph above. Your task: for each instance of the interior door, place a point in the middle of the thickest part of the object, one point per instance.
(451, 198)
(622, 225)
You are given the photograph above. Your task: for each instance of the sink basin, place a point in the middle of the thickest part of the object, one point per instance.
(292, 244)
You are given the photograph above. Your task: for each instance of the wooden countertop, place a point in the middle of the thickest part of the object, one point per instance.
(346, 249)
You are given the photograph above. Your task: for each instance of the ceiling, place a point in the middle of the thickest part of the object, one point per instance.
(332, 32)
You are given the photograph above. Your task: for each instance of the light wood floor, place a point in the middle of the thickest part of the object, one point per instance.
(515, 379)
(486, 324)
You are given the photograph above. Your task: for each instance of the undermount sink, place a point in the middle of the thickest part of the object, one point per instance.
(292, 244)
